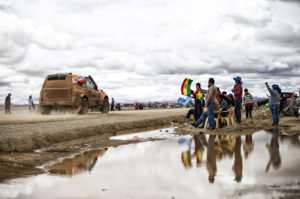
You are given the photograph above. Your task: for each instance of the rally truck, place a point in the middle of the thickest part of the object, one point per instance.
(74, 93)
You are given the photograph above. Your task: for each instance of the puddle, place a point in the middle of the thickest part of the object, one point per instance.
(155, 134)
(261, 165)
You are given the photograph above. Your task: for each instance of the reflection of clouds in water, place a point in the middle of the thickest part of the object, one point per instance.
(155, 170)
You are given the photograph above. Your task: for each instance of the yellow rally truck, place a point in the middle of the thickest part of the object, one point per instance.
(74, 93)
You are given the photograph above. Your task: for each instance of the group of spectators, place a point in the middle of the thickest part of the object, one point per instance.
(7, 104)
(216, 101)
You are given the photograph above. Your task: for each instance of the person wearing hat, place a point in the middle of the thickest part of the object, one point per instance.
(238, 93)
(230, 100)
(274, 102)
(7, 104)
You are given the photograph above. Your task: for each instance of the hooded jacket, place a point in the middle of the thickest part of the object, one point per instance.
(274, 96)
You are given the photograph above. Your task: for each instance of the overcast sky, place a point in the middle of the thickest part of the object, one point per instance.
(141, 50)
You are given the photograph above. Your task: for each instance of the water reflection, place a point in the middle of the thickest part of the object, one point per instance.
(273, 147)
(219, 147)
(238, 162)
(80, 163)
(213, 164)
(248, 145)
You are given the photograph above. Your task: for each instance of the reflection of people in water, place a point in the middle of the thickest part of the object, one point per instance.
(186, 156)
(294, 139)
(248, 145)
(198, 149)
(186, 159)
(238, 162)
(211, 164)
(275, 158)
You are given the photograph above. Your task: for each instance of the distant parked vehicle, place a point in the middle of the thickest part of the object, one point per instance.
(75, 93)
(293, 107)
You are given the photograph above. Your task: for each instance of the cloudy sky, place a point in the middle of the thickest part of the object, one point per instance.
(141, 50)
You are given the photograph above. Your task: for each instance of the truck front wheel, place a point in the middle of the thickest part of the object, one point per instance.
(105, 106)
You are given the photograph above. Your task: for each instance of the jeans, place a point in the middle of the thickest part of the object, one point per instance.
(274, 110)
(249, 111)
(198, 110)
(237, 110)
(202, 119)
(211, 117)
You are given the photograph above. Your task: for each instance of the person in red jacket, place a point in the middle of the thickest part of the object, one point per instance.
(238, 93)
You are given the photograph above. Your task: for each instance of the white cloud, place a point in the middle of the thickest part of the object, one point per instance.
(136, 48)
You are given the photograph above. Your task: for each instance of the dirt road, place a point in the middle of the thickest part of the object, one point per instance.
(27, 132)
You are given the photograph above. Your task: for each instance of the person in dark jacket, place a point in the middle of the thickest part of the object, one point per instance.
(199, 101)
(112, 105)
(230, 100)
(238, 93)
(274, 102)
(7, 104)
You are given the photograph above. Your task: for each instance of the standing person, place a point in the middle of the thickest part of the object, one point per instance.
(248, 101)
(274, 102)
(211, 102)
(7, 104)
(112, 107)
(199, 101)
(238, 93)
(30, 103)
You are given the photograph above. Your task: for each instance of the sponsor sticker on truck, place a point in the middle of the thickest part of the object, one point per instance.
(77, 79)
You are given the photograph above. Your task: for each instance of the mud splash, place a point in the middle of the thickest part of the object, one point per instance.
(260, 165)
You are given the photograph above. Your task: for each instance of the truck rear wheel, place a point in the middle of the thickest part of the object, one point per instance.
(45, 110)
(105, 106)
(84, 106)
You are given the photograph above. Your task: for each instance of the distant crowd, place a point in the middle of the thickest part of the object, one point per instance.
(218, 102)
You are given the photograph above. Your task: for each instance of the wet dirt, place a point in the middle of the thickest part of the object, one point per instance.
(25, 133)
(264, 164)
(29, 144)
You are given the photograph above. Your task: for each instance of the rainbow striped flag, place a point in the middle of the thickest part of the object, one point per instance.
(186, 87)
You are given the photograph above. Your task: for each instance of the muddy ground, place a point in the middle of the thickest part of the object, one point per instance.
(27, 132)
(31, 140)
